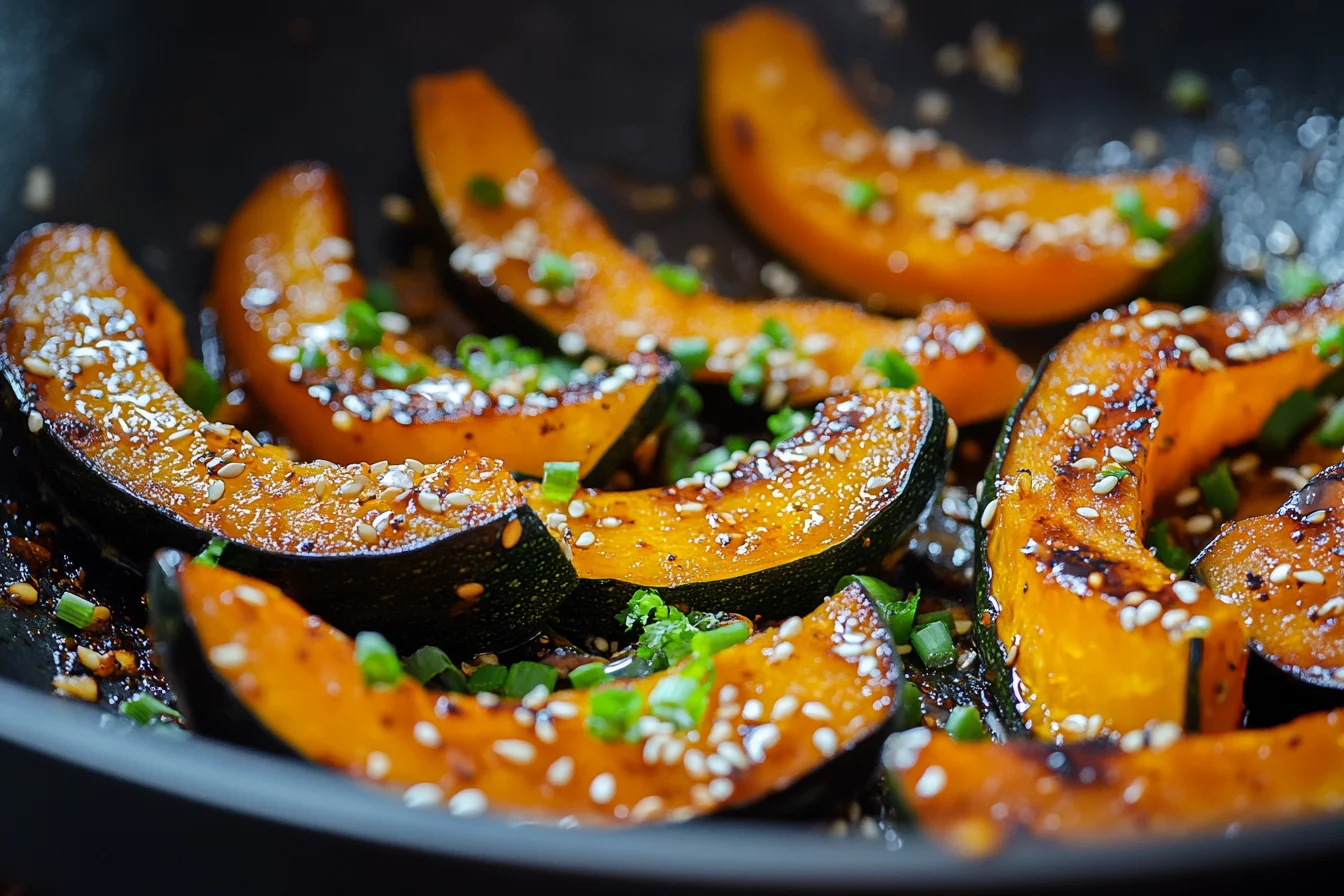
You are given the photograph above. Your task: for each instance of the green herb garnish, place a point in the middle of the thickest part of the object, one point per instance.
(313, 358)
(377, 659)
(745, 384)
(588, 675)
(524, 676)
(485, 190)
(199, 389)
(1287, 420)
(1330, 344)
(786, 423)
(896, 371)
(1128, 204)
(1331, 431)
(1168, 553)
(75, 610)
(213, 551)
(362, 329)
(430, 664)
(898, 612)
(1299, 280)
(691, 353)
(559, 480)
(667, 633)
(964, 724)
(934, 645)
(146, 708)
(380, 295)
(613, 713)
(551, 270)
(489, 679)
(859, 196)
(909, 707)
(387, 367)
(1218, 489)
(680, 278)
(777, 332)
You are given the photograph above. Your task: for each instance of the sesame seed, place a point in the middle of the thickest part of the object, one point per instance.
(826, 741)
(721, 730)
(228, 656)
(536, 698)
(791, 627)
(1134, 598)
(1088, 513)
(1105, 485)
(231, 470)
(430, 501)
(787, 705)
(1127, 618)
(1199, 524)
(420, 795)
(931, 783)
(646, 808)
(1163, 735)
(819, 712)
(867, 666)
(1280, 573)
(560, 772)
(214, 491)
(720, 789)
(470, 590)
(468, 803)
(458, 499)
(733, 752)
(487, 699)
(781, 651)
(342, 421)
(1132, 741)
(752, 710)
(1147, 612)
(249, 595)
(519, 752)
(988, 514)
(1077, 389)
(1187, 496)
(1186, 592)
(876, 482)
(1079, 426)
(1175, 618)
(1084, 463)
(38, 367)
(1122, 455)
(1091, 414)
(1194, 314)
(377, 765)
(1309, 576)
(694, 762)
(366, 533)
(691, 507)
(1331, 608)
(34, 422)
(427, 735)
(585, 540)
(602, 789)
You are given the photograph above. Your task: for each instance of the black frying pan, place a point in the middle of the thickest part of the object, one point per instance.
(156, 116)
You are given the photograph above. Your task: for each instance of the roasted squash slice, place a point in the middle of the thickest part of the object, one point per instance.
(1089, 632)
(252, 666)
(766, 534)
(973, 796)
(448, 552)
(283, 280)
(466, 129)
(1283, 570)
(897, 220)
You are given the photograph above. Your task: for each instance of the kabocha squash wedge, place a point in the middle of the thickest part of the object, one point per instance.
(252, 666)
(468, 133)
(766, 534)
(1284, 572)
(898, 219)
(283, 282)
(442, 553)
(1087, 631)
(974, 796)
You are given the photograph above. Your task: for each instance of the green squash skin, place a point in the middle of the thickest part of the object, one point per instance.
(792, 587)
(992, 651)
(408, 595)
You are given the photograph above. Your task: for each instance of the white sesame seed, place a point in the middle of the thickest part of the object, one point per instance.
(366, 533)
(561, 772)
(429, 501)
(1163, 735)
(487, 699)
(1314, 517)
(694, 762)
(867, 666)
(721, 479)
(585, 540)
(1084, 463)
(1194, 314)
(427, 735)
(1199, 524)
(34, 422)
(826, 741)
(876, 482)
(752, 710)
(1088, 513)
(733, 752)
(377, 765)
(1175, 618)
(468, 803)
(1132, 741)
(1127, 618)
(1077, 389)
(519, 752)
(1091, 414)
(1147, 612)
(458, 499)
(818, 712)
(787, 705)
(720, 789)
(1122, 455)
(1079, 426)
(988, 514)
(1187, 496)
(38, 367)
(1134, 598)
(782, 651)
(1309, 576)
(721, 730)
(1198, 627)
(1280, 573)
(420, 795)
(562, 709)
(718, 765)
(536, 698)
(228, 656)
(931, 783)
(791, 627)
(1186, 592)
(214, 491)
(231, 470)
(1105, 485)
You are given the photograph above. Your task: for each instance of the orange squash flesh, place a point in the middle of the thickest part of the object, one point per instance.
(1064, 593)
(1021, 246)
(282, 281)
(765, 536)
(1283, 570)
(466, 127)
(297, 677)
(973, 796)
(75, 353)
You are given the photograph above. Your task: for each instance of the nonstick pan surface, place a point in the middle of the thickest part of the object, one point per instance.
(156, 117)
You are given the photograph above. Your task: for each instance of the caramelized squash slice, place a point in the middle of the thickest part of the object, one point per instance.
(1283, 570)
(252, 666)
(974, 796)
(467, 129)
(1088, 631)
(445, 553)
(897, 220)
(283, 279)
(769, 534)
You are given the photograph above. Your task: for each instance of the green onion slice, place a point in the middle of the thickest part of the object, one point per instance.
(909, 707)
(745, 384)
(199, 389)
(377, 659)
(1167, 552)
(1287, 420)
(680, 278)
(362, 329)
(213, 551)
(896, 371)
(613, 713)
(551, 270)
(963, 723)
(691, 353)
(934, 645)
(145, 708)
(380, 295)
(559, 479)
(388, 367)
(786, 423)
(897, 611)
(75, 610)
(588, 675)
(1218, 489)
(860, 195)
(487, 679)
(525, 675)
(1331, 431)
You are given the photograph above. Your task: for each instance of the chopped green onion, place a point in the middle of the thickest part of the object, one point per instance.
(559, 479)
(1128, 204)
(707, 462)
(681, 278)
(943, 616)
(485, 190)
(934, 645)
(380, 295)
(1168, 553)
(1188, 91)
(786, 423)
(691, 353)
(724, 636)
(909, 707)
(896, 371)
(680, 700)
(1331, 432)
(777, 332)
(1330, 344)
(963, 723)
(199, 389)
(745, 384)
(613, 713)
(312, 358)
(589, 674)
(1299, 280)
(525, 675)
(362, 329)
(146, 708)
(213, 551)
(388, 367)
(1116, 471)
(426, 663)
(551, 270)
(1218, 489)
(860, 195)
(75, 610)
(1287, 420)
(487, 679)
(377, 659)
(898, 612)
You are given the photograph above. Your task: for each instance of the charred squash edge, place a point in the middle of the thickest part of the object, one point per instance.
(342, 585)
(791, 586)
(214, 709)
